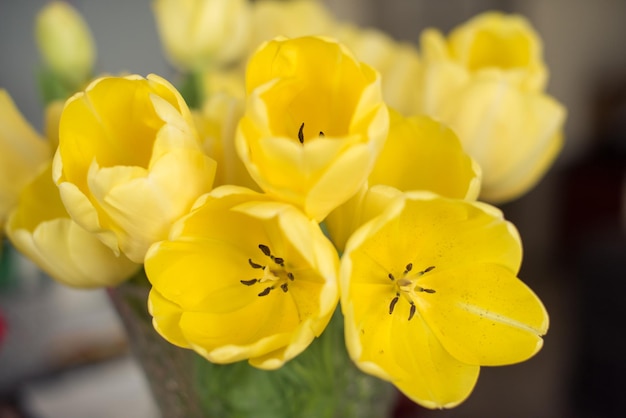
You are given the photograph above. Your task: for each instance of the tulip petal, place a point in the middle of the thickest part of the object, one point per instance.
(483, 314)
(422, 154)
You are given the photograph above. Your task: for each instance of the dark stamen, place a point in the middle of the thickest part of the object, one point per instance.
(279, 260)
(428, 269)
(254, 265)
(249, 282)
(284, 286)
(301, 134)
(265, 291)
(392, 305)
(321, 133)
(391, 276)
(290, 275)
(409, 267)
(422, 289)
(412, 311)
(265, 249)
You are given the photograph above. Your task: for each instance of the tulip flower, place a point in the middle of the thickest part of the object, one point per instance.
(129, 161)
(65, 43)
(429, 294)
(243, 277)
(485, 81)
(40, 228)
(314, 122)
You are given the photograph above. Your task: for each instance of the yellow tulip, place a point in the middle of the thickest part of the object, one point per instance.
(485, 81)
(129, 161)
(40, 228)
(23, 152)
(314, 123)
(65, 42)
(243, 277)
(200, 33)
(429, 294)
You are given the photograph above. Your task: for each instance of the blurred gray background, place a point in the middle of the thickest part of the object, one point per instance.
(572, 224)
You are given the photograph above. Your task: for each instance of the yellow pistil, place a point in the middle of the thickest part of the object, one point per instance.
(407, 287)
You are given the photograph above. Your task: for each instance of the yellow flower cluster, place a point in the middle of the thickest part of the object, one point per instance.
(339, 142)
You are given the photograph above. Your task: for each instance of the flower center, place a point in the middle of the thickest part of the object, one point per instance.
(407, 287)
(301, 133)
(274, 273)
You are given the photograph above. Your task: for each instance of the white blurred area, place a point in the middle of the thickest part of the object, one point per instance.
(66, 353)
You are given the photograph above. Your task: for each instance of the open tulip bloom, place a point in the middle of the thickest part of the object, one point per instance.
(350, 206)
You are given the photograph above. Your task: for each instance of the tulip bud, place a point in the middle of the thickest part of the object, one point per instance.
(65, 43)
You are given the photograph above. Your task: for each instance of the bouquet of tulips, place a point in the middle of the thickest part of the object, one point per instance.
(306, 170)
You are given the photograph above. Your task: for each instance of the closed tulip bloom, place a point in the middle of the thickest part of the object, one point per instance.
(429, 294)
(129, 161)
(23, 153)
(41, 229)
(314, 122)
(65, 43)
(201, 33)
(486, 82)
(243, 277)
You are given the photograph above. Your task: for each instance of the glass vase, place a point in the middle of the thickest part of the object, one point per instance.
(322, 382)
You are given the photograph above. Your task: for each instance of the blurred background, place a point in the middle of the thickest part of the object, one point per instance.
(65, 352)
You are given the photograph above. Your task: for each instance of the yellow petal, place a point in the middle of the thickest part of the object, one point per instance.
(53, 116)
(407, 354)
(41, 229)
(217, 123)
(359, 209)
(166, 316)
(514, 135)
(444, 232)
(23, 152)
(483, 314)
(422, 154)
